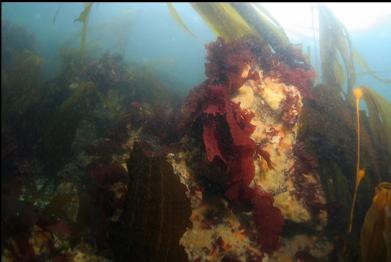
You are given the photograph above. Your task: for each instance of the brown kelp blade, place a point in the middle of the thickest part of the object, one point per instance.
(379, 110)
(83, 18)
(335, 45)
(375, 235)
(336, 49)
(259, 19)
(56, 13)
(233, 21)
(224, 20)
(178, 19)
(358, 59)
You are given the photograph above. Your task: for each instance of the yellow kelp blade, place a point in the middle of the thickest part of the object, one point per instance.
(259, 19)
(83, 18)
(361, 61)
(224, 20)
(375, 235)
(265, 12)
(178, 19)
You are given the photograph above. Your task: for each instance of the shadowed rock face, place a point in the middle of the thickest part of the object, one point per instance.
(158, 211)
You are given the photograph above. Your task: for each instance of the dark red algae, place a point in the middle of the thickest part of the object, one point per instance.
(210, 103)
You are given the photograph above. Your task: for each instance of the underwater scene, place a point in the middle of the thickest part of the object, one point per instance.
(196, 132)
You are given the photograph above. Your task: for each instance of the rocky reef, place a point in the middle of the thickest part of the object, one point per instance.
(245, 119)
(104, 162)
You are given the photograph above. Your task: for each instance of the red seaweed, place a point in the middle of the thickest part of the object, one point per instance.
(268, 220)
(305, 190)
(265, 155)
(60, 228)
(299, 77)
(211, 142)
(210, 103)
(290, 109)
(304, 256)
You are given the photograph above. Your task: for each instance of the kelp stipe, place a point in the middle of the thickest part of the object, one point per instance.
(338, 64)
(106, 132)
(360, 173)
(84, 19)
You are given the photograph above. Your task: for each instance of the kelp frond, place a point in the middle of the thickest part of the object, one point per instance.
(233, 21)
(379, 110)
(336, 48)
(358, 59)
(224, 20)
(335, 44)
(375, 238)
(84, 18)
(264, 24)
(56, 13)
(178, 19)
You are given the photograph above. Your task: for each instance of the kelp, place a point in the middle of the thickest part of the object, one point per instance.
(358, 59)
(339, 73)
(63, 125)
(360, 173)
(260, 20)
(335, 44)
(21, 82)
(56, 14)
(379, 110)
(84, 18)
(47, 128)
(224, 20)
(233, 21)
(178, 19)
(376, 231)
(163, 209)
(336, 48)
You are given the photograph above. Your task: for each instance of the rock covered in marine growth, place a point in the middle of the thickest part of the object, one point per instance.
(246, 116)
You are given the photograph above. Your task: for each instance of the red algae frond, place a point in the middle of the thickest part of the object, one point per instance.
(229, 66)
